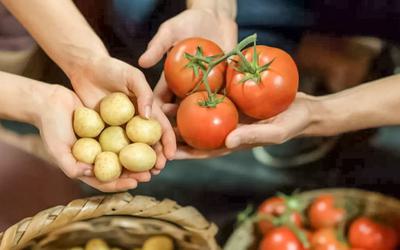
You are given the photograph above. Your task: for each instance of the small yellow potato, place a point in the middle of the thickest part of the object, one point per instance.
(76, 248)
(138, 157)
(87, 122)
(96, 244)
(158, 243)
(113, 139)
(116, 109)
(144, 130)
(86, 150)
(107, 167)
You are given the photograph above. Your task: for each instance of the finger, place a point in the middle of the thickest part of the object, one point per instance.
(161, 160)
(140, 177)
(162, 94)
(155, 172)
(231, 38)
(187, 152)
(168, 137)
(71, 167)
(137, 83)
(158, 46)
(119, 185)
(170, 109)
(256, 134)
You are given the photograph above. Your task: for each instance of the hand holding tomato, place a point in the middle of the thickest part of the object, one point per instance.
(193, 22)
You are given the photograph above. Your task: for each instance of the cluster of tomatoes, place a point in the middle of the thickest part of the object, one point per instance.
(260, 81)
(328, 226)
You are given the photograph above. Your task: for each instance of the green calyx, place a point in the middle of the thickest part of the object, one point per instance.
(212, 101)
(204, 64)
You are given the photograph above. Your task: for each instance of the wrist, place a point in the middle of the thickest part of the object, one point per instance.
(226, 8)
(78, 59)
(328, 115)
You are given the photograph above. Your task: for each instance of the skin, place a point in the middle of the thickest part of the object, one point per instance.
(93, 72)
(55, 125)
(374, 104)
(201, 14)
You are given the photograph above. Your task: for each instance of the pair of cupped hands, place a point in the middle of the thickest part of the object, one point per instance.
(104, 74)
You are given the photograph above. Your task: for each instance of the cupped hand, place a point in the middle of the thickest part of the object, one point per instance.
(289, 124)
(105, 75)
(190, 23)
(55, 125)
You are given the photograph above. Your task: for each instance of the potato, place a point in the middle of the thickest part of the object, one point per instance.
(86, 150)
(158, 243)
(113, 139)
(143, 130)
(116, 109)
(96, 244)
(76, 248)
(87, 122)
(138, 157)
(107, 167)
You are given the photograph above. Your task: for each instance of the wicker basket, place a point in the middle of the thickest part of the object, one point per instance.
(373, 204)
(122, 219)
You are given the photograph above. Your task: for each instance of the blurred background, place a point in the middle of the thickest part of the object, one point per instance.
(336, 46)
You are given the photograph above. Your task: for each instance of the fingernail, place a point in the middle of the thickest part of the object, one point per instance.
(88, 173)
(233, 142)
(147, 112)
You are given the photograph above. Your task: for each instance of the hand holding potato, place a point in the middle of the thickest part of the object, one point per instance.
(114, 148)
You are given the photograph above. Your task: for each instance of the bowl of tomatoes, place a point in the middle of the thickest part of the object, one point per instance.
(326, 219)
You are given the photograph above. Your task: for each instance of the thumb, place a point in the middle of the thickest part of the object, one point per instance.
(255, 134)
(158, 46)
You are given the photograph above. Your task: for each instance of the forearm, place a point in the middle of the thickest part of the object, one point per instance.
(370, 105)
(21, 98)
(225, 7)
(60, 29)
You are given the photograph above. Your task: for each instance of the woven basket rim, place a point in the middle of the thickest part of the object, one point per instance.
(119, 204)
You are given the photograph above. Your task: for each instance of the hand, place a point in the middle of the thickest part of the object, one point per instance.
(55, 124)
(206, 23)
(105, 75)
(223, 32)
(289, 124)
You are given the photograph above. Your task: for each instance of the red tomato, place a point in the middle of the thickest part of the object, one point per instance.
(323, 213)
(365, 233)
(180, 78)
(272, 92)
(206, 127)
(275, 207)
(280, 238)
(326, 239)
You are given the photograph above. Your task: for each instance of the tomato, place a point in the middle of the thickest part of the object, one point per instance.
(262, 95)
(368, 234)
(206, 127)
(280, 238)
(326, 239)
(275, 207)
(323, 213)
(182, 79)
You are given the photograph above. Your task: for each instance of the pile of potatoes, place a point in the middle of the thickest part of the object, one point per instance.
(115, 137)
(153, 243)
